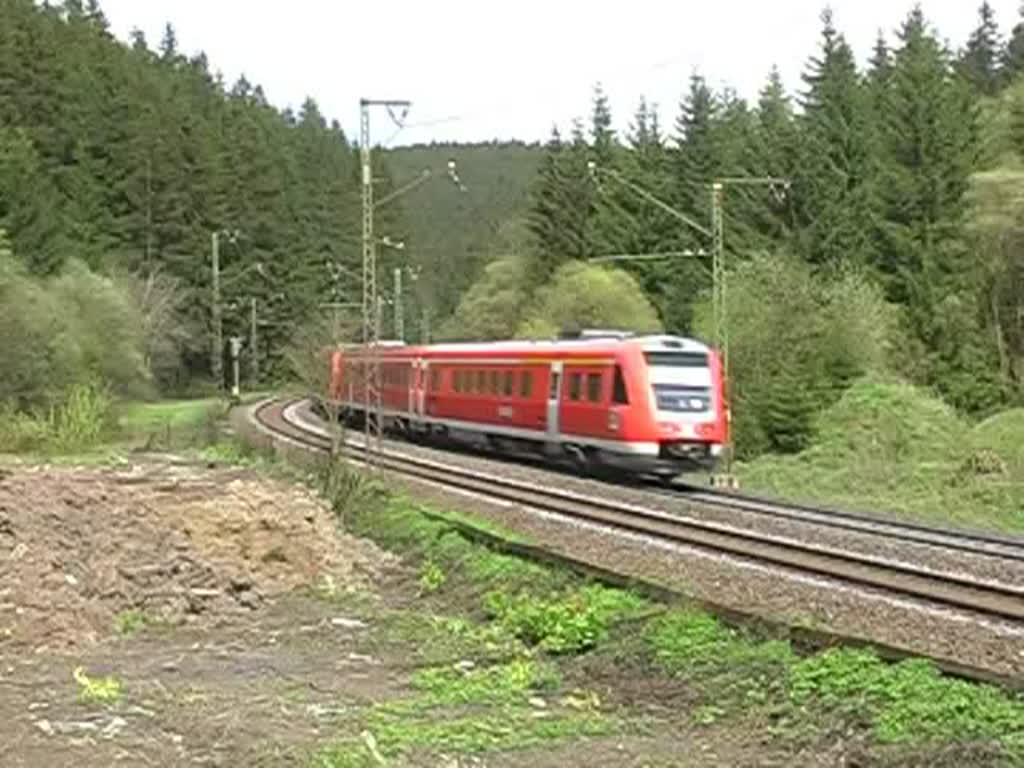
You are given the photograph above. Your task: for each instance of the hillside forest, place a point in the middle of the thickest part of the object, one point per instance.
(889, 242)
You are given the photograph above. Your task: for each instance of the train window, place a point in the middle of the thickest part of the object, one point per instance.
(575, 386)
(435, 379)
(481, 382)
(677, 359)
(526, 384)
(594, 382)
(494, 382)
(619, 394)
(509, 384)
(457, 380)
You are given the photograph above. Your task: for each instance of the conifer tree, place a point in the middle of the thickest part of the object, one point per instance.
(601, 133)
(979, 61)
(930, 135)
(28, 204)
(1012, 59)
(879, 70)
(772, 152)
(696, 157)
(833, 186)
(931, 148)
(562, 202)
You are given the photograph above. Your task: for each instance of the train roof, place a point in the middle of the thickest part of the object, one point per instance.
(586, 344)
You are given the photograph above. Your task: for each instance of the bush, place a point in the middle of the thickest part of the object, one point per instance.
(79, 422)
(491, 308)
(21, 431)
(587, 296)
(797, 339)
(72, 330)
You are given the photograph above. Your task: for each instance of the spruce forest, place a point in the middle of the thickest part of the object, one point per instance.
(890, 246)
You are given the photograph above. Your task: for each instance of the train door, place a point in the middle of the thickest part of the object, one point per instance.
(554, 395)
(420, 379)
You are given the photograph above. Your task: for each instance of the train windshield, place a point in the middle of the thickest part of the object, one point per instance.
(681, 399)
(681, 381)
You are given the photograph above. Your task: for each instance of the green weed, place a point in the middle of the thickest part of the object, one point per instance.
(105, 690)
(130, 621)
(80, 421)
(432, 577)
(352, 493)
(907, 701)
(566, 623)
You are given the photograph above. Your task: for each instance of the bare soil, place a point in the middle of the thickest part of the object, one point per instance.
(180, 544)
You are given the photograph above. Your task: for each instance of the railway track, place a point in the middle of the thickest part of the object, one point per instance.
(968, 542)
(984, 598)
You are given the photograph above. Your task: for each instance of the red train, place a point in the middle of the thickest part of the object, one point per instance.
(608, 401)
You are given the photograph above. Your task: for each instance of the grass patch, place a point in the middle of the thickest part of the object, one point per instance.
(502, 683)
(483, 525)
(895, 448)
(172, 424)
(346, 754)
(103, 690)
(140, 418)
(444, 639)
(129, 622)
(493, 731)
(908, 701)
(695, 643)
(475, 710)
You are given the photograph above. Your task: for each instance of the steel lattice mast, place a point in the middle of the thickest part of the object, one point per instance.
(372, 417)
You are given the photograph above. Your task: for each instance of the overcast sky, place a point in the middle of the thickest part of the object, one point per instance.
(478, 71)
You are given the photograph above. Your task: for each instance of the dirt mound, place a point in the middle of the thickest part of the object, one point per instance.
(171, 543)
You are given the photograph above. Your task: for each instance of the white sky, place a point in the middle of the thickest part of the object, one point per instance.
(478, 70)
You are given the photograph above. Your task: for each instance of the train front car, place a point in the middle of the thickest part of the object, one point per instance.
(686, 412)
